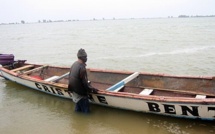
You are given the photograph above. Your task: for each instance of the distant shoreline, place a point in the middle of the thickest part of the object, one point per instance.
(103, 19)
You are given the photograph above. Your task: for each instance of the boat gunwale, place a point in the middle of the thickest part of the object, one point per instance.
(152, 74)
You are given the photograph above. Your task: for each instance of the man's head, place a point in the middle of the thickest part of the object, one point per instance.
(82, 55)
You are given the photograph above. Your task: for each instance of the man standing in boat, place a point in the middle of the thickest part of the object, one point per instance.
(78, 83)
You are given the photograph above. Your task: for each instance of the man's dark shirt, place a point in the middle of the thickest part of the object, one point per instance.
(78, 81)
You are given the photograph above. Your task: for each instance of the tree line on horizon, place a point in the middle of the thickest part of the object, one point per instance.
(50, 21)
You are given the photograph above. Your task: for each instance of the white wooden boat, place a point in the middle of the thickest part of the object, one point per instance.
(176, 96)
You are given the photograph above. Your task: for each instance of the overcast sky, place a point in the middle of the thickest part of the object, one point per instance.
(34, 10)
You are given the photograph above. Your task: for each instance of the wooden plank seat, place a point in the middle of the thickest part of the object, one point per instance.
(35, 69)
(119, 88)
(198, 96)
(53, 78)
(122, 83)
(22, 68)
(61, 77)
(57, 78)
(146, 91)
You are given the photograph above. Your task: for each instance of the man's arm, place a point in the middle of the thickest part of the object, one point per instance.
(87, 86)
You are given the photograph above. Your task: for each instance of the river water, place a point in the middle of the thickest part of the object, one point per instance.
(179, 46)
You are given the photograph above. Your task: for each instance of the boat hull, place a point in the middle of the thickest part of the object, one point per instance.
(168, 106)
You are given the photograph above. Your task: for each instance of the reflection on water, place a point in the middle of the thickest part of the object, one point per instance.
(24, 110)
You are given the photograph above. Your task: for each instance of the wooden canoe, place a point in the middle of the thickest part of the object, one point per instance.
(176, 96)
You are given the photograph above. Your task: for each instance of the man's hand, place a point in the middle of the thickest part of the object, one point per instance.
(94, 90)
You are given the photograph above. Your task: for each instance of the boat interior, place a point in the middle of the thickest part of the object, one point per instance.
(126, 82)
